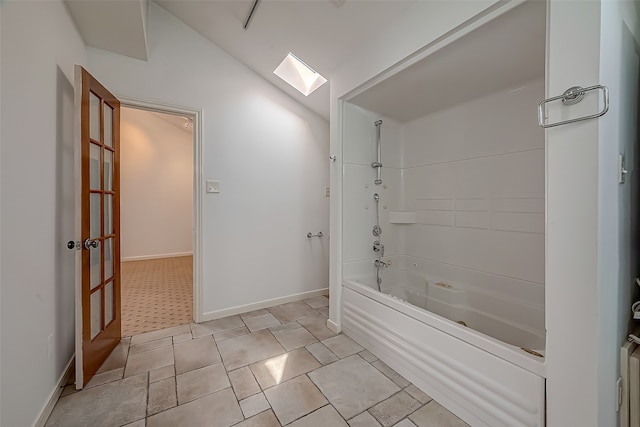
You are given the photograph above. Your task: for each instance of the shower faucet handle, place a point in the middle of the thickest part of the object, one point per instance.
(378, 247)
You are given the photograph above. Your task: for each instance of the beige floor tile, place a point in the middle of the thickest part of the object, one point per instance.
(405, 423)
(148, 361)
(254, 313)
(366, 355)
(322, 353)
(224, 324)
(264, 419)
(342, 346)
(243, 382)
(294, 399)
(391, 374)
(231, 333)
(199, 331)
(247, 349)
(323, 417)
(435, 415)
(162, 333)
(261, 322)
(139, 423)
(118, 357)
(197, 383)
(139, 348)
(162, 373)
(295, 339)
(254, 405)
(182, 337)
(113, 404)
(282, 368)
(352, 385)
(395, 408)
(317, 302)
(284, 328)
(219, 409)
(292, 311)
(324, 311)
(195, 354)
(317, 325)
(162, 395)
(418, 394)
(105, 377)
(365, 419)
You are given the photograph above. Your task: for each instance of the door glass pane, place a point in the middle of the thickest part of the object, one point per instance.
(94, 117)
(108, 259)
(95, 254)
(94, 167)
(108, 214)
(94, 202)
(96, 313)
(108, 120)
(108, 303)
(108, 170)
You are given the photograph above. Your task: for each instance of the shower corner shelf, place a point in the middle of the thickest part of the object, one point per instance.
(402, 217)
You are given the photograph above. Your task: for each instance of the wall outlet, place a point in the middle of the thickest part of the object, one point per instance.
(50, 346)
(327, 191)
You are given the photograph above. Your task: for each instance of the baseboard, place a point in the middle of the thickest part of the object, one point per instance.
(146, 257)
(55, 394)
(212, 315)
(334, 326)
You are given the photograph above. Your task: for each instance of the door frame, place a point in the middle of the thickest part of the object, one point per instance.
(159, 107)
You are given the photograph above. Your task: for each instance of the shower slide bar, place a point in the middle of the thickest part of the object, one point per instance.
(572, 96)
(309, 235)
(377, 165)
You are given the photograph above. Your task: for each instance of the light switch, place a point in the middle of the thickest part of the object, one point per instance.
(213, 186)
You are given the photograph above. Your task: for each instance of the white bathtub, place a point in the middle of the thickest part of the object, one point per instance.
(482, 379)
(508, 320)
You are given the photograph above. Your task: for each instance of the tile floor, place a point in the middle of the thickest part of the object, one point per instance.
(274, 367)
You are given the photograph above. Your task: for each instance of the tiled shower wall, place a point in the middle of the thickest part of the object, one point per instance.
(475, 176)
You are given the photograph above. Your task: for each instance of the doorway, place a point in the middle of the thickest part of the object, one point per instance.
(157, 219)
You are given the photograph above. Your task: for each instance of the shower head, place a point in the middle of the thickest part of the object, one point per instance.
(376, 197)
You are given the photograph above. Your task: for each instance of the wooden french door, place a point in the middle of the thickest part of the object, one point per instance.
(98, 324)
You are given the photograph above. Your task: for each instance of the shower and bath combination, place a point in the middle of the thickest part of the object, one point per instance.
(378, 247)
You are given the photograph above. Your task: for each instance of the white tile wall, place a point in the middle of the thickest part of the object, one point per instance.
(475, 176)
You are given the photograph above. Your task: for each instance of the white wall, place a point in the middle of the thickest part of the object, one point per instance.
(474, 173)
(156, 186)
(617, 204)
(357, 197)
(269, 153)
(40, 45)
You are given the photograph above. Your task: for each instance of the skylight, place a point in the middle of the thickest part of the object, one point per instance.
(299, 75)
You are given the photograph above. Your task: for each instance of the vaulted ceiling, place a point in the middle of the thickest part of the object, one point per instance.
(323, 33)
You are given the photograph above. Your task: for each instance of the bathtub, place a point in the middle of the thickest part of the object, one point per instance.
(480, 372)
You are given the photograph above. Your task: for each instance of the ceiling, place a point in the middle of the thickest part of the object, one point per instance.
(499, 55)
(323, 33)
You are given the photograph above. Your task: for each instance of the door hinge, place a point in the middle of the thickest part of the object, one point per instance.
(622, 172)
(619, 400)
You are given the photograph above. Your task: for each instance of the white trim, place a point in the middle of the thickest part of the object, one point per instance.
(159, 256)
(212, 315)
(197, 186)
(55, 394)
(334, 326)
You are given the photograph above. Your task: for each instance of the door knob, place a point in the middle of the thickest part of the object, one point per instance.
(88, 244)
